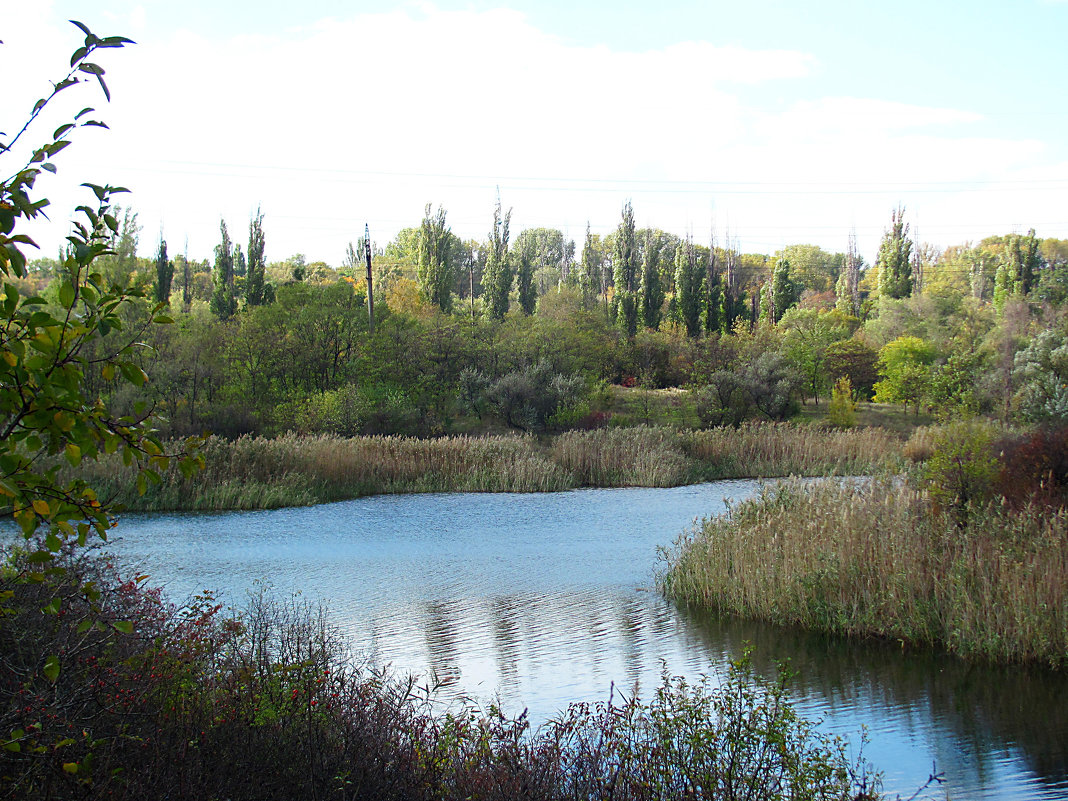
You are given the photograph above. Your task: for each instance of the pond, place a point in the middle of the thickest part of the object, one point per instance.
(536, 600)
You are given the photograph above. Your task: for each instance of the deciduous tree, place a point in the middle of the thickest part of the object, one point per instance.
(626, 273)
(497, 279)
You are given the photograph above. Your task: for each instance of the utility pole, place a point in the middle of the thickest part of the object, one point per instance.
(370, 287)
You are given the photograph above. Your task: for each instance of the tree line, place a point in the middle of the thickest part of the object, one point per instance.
(475, 331)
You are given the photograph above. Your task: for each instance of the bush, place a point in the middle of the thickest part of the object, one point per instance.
(962, 467)
(842, 410)
(193, 704)
(1034, 468)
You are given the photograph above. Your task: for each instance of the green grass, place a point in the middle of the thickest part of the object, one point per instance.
(890, 417)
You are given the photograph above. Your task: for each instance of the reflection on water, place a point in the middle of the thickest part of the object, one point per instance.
(538, 600)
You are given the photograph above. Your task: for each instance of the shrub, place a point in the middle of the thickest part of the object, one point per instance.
(962, 467)
(193, 703)
(842, 410)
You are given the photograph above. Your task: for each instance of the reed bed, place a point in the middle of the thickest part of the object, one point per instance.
(763, 449)
(298, 470)
(874, 559)
(615, 457)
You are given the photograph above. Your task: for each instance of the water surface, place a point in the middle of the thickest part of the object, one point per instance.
(536, 600)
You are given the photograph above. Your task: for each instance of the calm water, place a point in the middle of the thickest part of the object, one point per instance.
(538, 600)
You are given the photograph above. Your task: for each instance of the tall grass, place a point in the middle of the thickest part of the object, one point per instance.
(766, 449)
(876, 559)
(293, 470)
(614, 457)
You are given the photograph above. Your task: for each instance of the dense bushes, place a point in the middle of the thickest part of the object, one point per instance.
(119, 695)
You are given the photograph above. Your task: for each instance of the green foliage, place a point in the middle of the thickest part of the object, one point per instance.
(1041, 372)
(524, 282)
(652, 288)
(842, 410)
(528, 398)
(164, 274)
(809, 334)
(765, 385)
(713, 296)
(590, 278)
(257, 291)
(436, 273)
(625, 264)
(894, 262)
(962, 468)
(904, 365)
(784, 292)
(689, 286)
(49, 352)
(497, 278)
(954, 385)
(223, 297)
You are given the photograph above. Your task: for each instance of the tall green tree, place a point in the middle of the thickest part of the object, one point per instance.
(255, 283)
(847, 288)
(626, 273)
(435, 271)
(223, 301)
(590, 270)
(164, 273)
(689, 283)
(524, 281)
(894, 262)
(240, 263)
(497, 278)
(783, 289)
(652, 285)
(713, 311)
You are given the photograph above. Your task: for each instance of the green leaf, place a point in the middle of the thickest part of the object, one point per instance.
(51, 668)
(67, 295)
(123, 626)
(81, 26)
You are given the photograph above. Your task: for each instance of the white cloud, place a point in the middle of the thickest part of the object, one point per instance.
(369, 118)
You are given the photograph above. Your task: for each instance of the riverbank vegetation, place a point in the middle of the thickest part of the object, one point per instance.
(192, 703)
(295, 470)
(967, 553)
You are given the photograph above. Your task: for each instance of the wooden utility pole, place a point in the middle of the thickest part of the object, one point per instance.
(370, 286)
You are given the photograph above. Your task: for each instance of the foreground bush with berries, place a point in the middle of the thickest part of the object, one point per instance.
(118, 694)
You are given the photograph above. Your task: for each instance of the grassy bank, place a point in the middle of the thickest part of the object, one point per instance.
(879, 560)
(259, 473)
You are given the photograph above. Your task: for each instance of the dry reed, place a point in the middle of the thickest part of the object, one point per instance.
(874, 559)
(292, 470)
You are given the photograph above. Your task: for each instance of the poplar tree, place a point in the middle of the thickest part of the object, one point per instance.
(713, 311)
(435, 275)
(847, 289)
(223, 303)
(590, 271)
(652, 286)
(524, 282)
(255, 290)
(497, 279)
(626, 273)
(893, 263)
(164, 273)
(783, 289)
(689, 282)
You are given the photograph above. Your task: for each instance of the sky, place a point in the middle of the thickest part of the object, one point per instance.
(764, 123)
